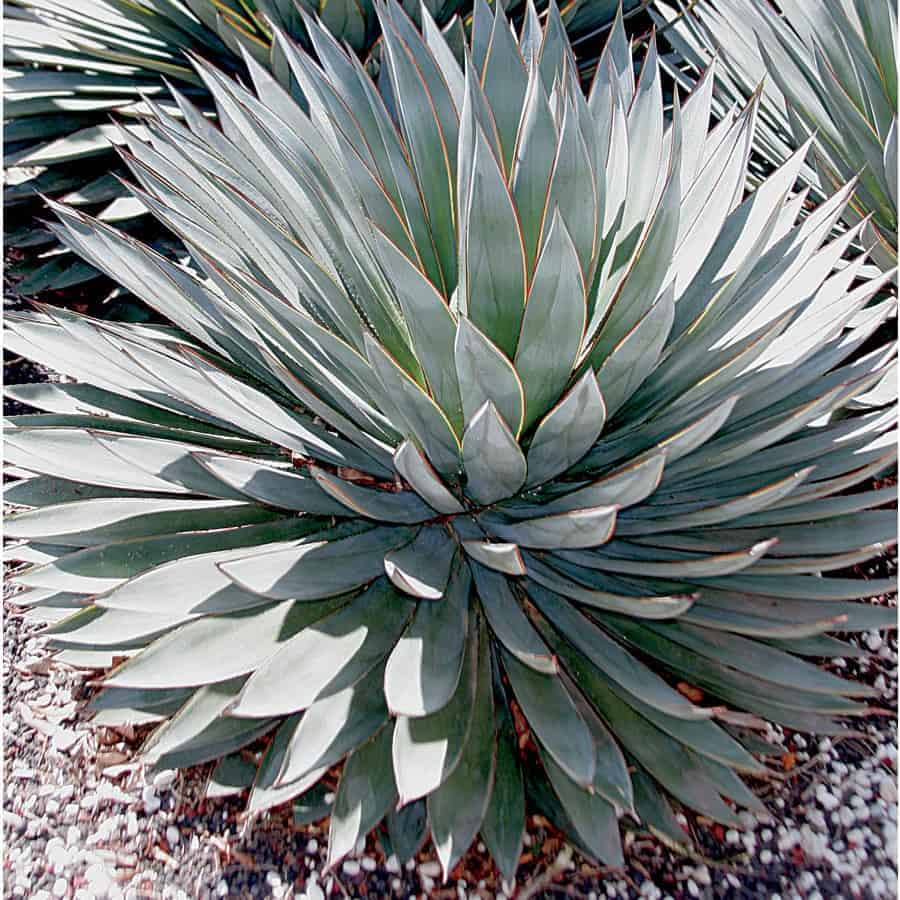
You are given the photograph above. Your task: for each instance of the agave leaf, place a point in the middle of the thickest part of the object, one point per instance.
(425, 666)
(199, 711)
(554, 717)
(618, 665)
(504, 558)
(423, 418)
(656, 812)
(264, 483)
(567, 432)
(408, 829)
(642, 607)
(246, 640)
(593, 817)
(317, 568)
(415, 468)
(457, 808)
(431, 325)
(579, 528)
(503, 828)
(365, 793)
(43, 490)
(430, 147)
(504, 84)
(403, 507)
(536, 146)
(428, 748)
(331, 727)
(630, 362)
(619, 556)
(99, 569)
(265, 794)
(509, 623)
(760, 660)
(495, 466)
(495, 257)
(555, 301)
(98, 521)
(624, 487)
(233, 775)
(327, 656)
(422, 567)
(485, 374)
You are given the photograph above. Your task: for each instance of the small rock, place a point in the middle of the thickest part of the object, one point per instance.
(350, 867)
(430, 869)
(13, 821)
(164, 779)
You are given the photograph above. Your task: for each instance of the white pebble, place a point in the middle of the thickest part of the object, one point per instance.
(826, 799)
(164, 779)
(60, 887)
(874, 641)
(222, 888)
(430, 870)
(312, 845)
(765, 857)
(731, 837)
(392, 864)
(368, 864)
(173, 836)
(350, 867)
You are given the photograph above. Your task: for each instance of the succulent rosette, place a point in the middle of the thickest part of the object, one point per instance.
(495, 449)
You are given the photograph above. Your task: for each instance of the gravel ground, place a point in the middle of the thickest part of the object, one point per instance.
(82, 819)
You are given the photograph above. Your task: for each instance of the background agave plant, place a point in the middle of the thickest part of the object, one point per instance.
(496, 412)
(828, 69)
(72, 68)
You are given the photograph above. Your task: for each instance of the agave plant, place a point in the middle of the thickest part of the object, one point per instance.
(496, 415)
(828, 69)
(72, 68)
